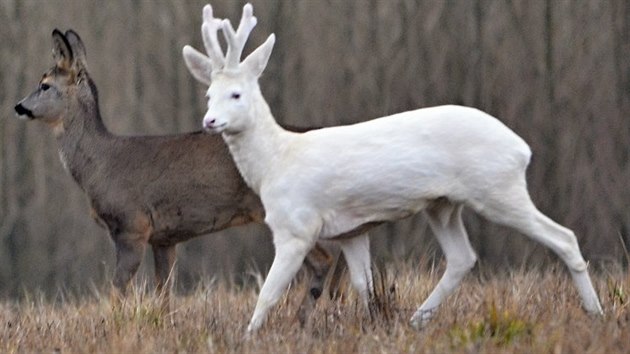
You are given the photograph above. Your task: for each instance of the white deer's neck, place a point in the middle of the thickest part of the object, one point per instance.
(256, 149)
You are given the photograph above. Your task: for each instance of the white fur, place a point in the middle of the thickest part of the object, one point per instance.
(330, 181)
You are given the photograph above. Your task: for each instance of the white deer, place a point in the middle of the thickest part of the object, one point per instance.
(327, 182)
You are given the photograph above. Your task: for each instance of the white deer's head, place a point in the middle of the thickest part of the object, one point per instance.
(233, 84)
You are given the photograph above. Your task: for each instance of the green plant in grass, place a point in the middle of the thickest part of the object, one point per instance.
(617, 294)
(502, 328)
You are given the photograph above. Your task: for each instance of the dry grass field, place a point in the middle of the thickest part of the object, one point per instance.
(519, 312)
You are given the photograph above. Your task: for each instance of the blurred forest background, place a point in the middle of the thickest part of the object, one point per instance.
(555, 71)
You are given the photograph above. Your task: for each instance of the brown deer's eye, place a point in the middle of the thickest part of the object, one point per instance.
(236, 95)
(44, 87)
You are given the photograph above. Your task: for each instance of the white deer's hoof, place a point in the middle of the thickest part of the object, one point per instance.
(420, 319)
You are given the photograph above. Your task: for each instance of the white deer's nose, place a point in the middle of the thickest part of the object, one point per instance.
(208, 122)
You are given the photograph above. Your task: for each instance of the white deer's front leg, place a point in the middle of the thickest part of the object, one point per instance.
(290, 254)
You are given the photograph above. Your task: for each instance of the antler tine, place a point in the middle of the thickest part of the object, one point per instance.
(236, 40)
(209, 29)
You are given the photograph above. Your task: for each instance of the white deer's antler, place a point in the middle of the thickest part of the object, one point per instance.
(209, 29)
(204, 66)
(236, 40)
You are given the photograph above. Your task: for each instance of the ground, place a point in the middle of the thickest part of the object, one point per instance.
(525, 311)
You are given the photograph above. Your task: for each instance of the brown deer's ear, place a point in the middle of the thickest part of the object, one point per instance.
(62, 52)
(77, 49)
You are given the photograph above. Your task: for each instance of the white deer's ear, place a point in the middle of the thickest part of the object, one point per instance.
(256, 62)
(198, 65)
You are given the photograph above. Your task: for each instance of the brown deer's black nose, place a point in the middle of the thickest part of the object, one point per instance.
(23, 111)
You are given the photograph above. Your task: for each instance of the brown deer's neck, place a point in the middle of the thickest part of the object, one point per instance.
(83, 138)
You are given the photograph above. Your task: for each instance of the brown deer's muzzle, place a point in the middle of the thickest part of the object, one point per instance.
(22, 111)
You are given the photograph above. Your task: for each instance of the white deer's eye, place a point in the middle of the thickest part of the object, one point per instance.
(236, 95)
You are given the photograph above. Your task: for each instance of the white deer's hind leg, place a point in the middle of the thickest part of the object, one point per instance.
(446, 222)
(519, 212)
(356, 251)
(564, 243)
(290, 253)
(590, 300)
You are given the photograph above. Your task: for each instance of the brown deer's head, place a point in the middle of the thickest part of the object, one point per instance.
(59, 84)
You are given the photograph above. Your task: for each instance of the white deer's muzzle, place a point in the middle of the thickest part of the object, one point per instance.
(213, 125)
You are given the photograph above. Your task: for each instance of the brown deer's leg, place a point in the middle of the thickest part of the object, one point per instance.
(318, 261)
(164, 259)
(339, 267)
(129, 253)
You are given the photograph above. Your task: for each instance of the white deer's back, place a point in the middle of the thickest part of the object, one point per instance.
(390, 167)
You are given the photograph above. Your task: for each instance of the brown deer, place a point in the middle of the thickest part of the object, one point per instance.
(156, 190)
